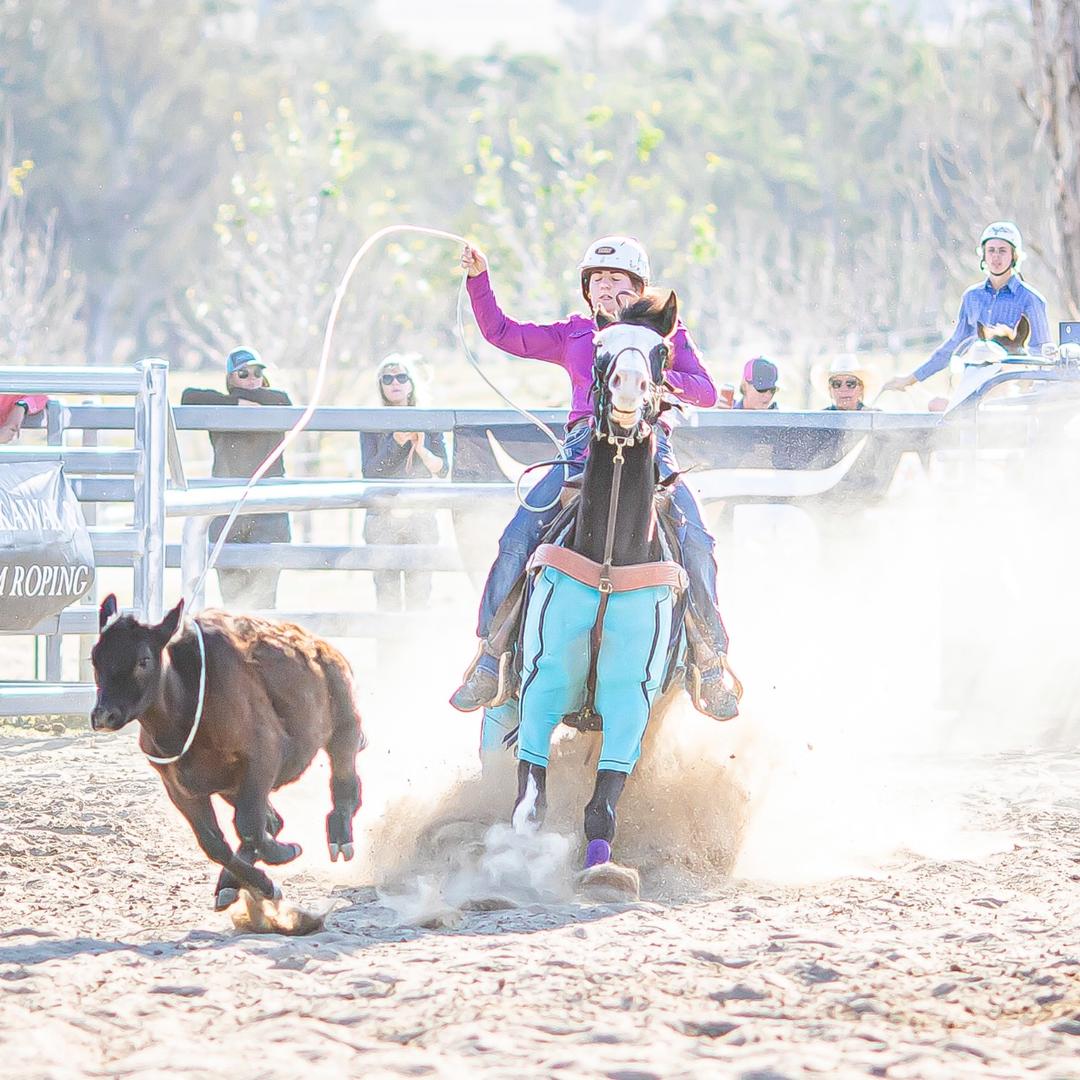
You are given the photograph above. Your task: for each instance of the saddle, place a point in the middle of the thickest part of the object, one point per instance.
(553, 550)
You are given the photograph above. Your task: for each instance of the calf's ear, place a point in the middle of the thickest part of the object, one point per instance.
(107, 611)
(167, 627)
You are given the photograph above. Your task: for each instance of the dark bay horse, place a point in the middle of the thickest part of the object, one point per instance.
(599, 617)
(235, 706)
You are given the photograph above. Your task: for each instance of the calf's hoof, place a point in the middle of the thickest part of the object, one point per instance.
(275, 854)
(225, 898)
(345, 851)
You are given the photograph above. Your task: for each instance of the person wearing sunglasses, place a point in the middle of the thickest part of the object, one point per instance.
(1003, 308)
(237, 454)
(759, 385)
(401, 455)
(846, 382)
(613, 272)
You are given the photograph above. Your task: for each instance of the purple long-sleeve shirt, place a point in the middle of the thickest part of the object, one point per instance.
(569, 344)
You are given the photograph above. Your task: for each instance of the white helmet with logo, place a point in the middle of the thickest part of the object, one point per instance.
(614, 253)
(1007, 231)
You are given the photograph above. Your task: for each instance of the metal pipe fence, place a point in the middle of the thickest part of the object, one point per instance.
(133, 479)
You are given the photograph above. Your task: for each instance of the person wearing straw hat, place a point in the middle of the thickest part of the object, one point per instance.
(1003, 308)
(847, 381)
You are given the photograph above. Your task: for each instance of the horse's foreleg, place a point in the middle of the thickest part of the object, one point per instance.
(200, 816)
(531, 803)
(600, 815)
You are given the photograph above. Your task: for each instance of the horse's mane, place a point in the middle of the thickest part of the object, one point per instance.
(656, 309)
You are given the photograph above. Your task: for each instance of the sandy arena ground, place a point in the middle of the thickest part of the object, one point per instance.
(853, 879)
(924, 965)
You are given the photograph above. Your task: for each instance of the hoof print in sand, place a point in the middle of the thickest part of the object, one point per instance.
(610, 883)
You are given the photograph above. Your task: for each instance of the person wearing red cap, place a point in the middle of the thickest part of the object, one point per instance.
(759, 386)
(14, 409)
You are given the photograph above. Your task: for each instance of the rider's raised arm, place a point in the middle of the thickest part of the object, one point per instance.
(965, 328)
(687, 375)
(531, 340)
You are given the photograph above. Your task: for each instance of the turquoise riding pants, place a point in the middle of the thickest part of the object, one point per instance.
(558, 623)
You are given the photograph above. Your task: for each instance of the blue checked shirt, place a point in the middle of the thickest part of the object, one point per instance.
(981, 304)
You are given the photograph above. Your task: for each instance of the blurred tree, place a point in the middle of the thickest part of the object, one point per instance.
(40, 296)
(1055, 105)
(124, 106)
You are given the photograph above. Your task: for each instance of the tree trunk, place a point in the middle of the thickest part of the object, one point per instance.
(1056, 25)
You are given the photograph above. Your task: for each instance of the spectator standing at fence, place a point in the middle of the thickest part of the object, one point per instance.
(759, 386)
(237, 454)
(401, 455)
(847, 382)
(14, 409)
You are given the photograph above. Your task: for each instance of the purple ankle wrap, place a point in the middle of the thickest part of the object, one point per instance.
(598, 851)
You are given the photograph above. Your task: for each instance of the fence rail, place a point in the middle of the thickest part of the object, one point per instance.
(135, 478)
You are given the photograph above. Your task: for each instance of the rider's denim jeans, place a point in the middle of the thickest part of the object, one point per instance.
(522, 536)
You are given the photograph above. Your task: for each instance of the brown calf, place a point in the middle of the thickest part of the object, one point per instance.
(275, 695)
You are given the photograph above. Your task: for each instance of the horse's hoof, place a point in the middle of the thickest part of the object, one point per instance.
(225, 898)
(346, 851)
(608, 882)
(275, 892)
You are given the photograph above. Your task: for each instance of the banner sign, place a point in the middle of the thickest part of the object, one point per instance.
(46, 556)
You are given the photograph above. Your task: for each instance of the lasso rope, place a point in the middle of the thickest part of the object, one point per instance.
(305, 418)
(198, 703)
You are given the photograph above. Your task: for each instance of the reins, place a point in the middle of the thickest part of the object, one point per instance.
(198, 704)
(620, 442)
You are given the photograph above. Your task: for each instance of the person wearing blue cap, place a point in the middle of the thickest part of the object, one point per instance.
(760, 385)
(237, 454)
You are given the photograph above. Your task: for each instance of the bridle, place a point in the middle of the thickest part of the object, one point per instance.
(640, 433)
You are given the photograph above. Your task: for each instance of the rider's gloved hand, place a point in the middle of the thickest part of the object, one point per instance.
(473, 261)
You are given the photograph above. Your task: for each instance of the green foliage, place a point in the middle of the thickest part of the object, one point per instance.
(797, 171)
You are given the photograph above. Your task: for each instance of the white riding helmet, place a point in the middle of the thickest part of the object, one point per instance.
(614, 253)
(1007, 231)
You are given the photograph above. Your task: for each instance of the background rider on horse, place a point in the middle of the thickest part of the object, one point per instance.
(614, 271)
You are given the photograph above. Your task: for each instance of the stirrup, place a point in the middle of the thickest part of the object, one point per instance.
(507, 677)
(507, 681)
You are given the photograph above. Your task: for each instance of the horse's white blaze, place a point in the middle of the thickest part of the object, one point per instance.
(629, 382)
(629, 378)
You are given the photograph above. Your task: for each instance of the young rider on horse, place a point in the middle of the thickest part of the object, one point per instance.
(993, 307)
(614, 271)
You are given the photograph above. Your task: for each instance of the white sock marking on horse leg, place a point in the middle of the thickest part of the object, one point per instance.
(520, 821)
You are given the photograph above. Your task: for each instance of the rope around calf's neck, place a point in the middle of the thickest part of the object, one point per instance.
(198, 704)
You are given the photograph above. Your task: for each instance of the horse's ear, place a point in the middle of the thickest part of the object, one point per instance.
(167, 627)
(107, 611)
(669, 315)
